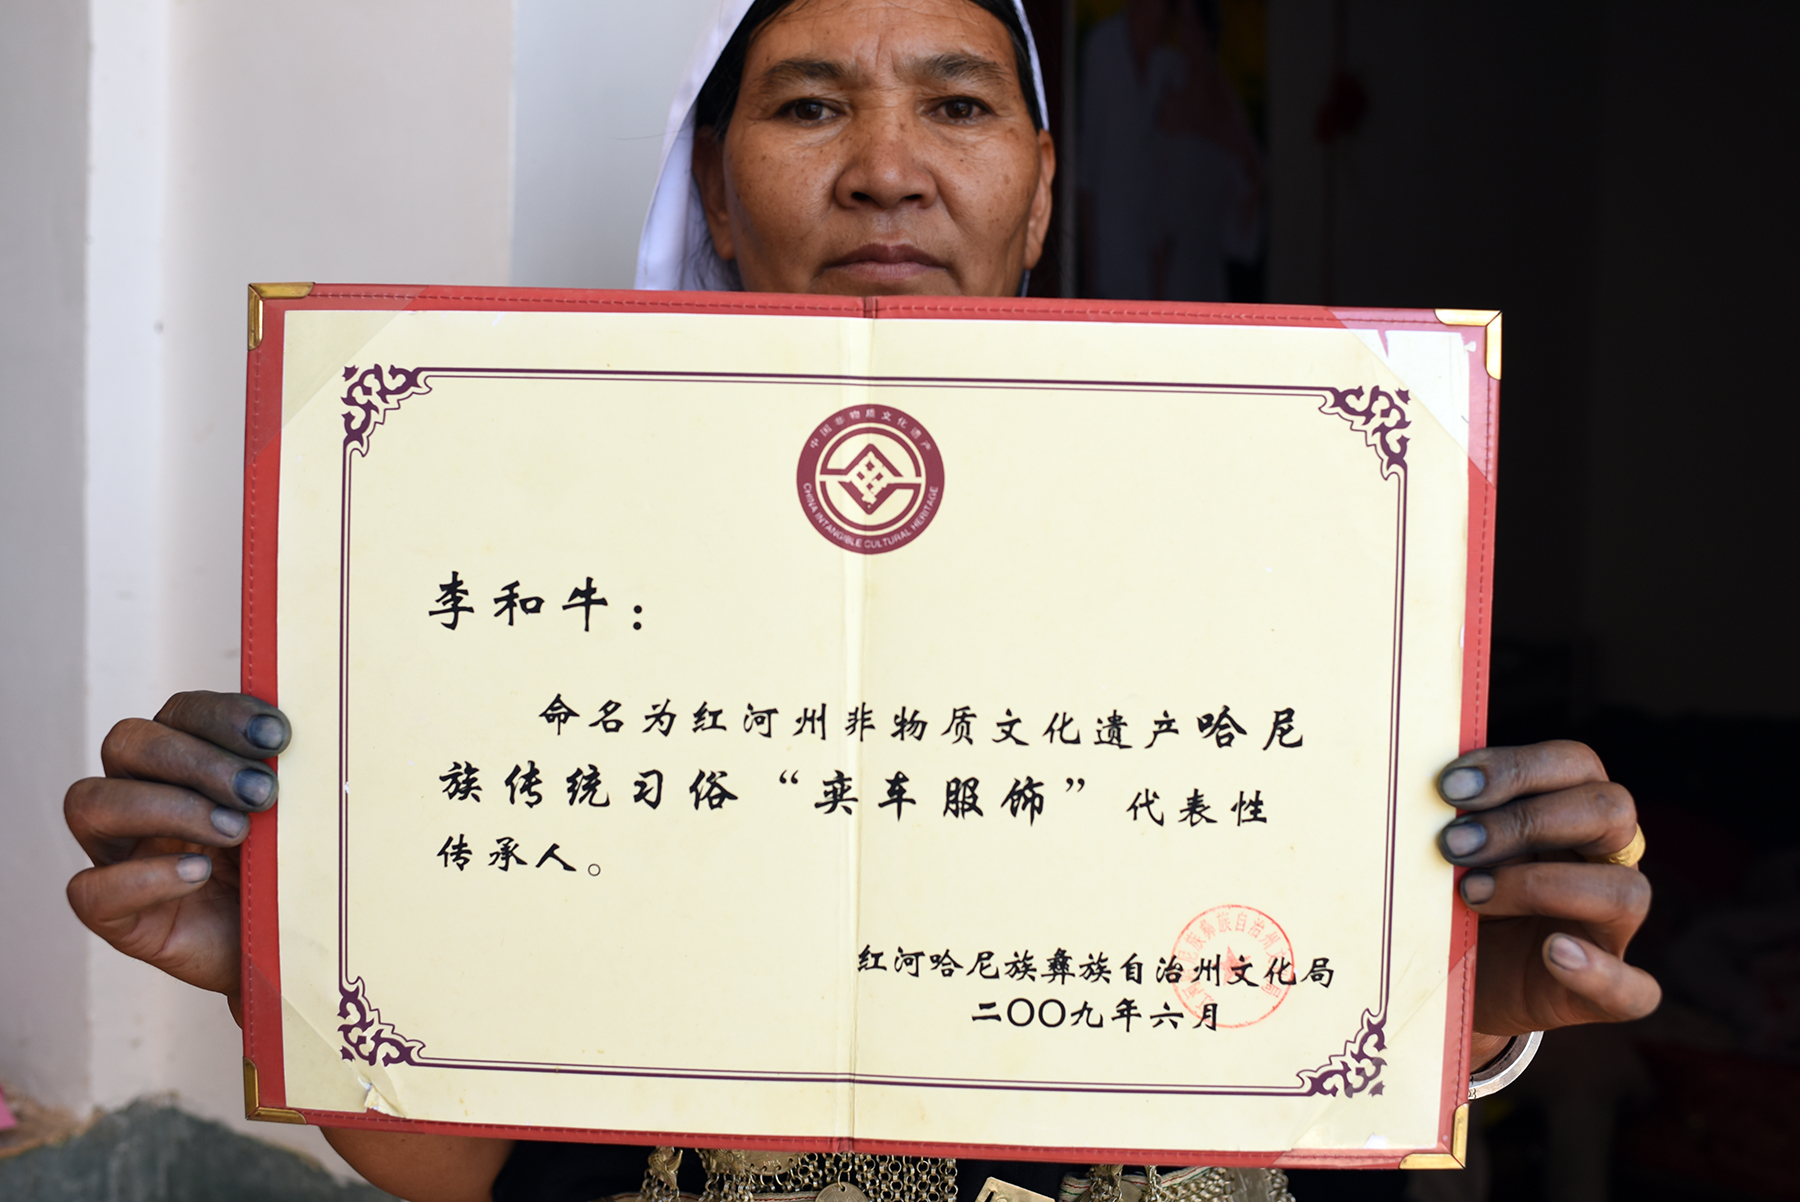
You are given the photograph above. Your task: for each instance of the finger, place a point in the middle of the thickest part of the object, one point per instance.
(1494, 775)
(237, 722)
(110, 900)
(108, 817)
(1591, 820)
(140, 750)
(167, 911)
(1613, 990)
(1610, 899)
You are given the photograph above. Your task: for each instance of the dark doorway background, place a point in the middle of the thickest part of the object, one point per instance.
(1609, 175)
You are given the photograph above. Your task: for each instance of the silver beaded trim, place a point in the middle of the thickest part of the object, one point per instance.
(733, 1176)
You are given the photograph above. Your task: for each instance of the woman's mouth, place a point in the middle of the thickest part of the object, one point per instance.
(886, 262)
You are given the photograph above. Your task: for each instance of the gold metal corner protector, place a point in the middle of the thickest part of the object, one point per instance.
(1458, 1155)
(262, 292)
(1479, 317)
(253, 1107)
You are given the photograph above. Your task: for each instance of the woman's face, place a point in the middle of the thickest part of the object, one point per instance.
(877, 147)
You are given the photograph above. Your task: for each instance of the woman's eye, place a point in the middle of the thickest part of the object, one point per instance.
(808, 110)
(961, 109)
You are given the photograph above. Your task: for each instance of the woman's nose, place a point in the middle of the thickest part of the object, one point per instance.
(887, 161)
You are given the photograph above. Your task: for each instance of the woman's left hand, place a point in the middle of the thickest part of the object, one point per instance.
(1553, 926)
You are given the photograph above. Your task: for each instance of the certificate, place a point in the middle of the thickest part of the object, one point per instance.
(923, 726)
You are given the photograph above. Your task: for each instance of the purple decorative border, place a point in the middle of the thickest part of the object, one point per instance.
(366, 1037)
(1382, 420)
(372, 396)
(1353, 1070)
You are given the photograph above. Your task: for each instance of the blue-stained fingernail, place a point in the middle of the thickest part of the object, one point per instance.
(229, 822)
(1464, 838)
(266, 731)
(193, 869)
(257, 788)
(1567, 953)
(1460, 784)
(1478, 887)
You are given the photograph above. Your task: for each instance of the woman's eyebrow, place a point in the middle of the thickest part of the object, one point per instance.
(793, 71)
(956, 68)
(936, 70)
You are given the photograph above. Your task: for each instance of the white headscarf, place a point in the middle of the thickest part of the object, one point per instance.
(676, 250)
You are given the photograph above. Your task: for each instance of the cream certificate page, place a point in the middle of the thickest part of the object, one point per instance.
(984, 733)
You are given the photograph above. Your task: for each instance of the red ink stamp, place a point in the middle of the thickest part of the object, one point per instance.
(1237, 963)
(871, 478)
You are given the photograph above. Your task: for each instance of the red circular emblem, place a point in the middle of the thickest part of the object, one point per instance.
(871, 478)
(1236, 959)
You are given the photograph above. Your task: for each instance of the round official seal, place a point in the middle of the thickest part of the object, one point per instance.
(871, 478)
(1236, 960)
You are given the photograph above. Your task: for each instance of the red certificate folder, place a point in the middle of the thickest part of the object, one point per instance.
(1411, 393)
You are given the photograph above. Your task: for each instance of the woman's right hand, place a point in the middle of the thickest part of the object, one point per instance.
(163, 828)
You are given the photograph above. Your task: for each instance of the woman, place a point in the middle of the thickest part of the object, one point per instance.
(858, 147)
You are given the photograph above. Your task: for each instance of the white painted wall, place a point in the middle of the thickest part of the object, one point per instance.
(330, 141)
(154, 158)
(43, 149)
(592, 89)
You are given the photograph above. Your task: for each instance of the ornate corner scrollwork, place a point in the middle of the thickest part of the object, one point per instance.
(366, 1036)
(1381, 420)
(372, 395)
(1355, 1069)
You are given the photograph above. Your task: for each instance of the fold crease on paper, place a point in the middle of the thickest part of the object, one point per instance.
(322, 368)
(1434, 366)
(1318, 1133)
(372, 1085)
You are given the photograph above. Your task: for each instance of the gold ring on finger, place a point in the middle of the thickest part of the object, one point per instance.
(1629, 855)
